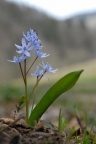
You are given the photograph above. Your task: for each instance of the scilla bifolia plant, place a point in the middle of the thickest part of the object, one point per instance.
(30, 42)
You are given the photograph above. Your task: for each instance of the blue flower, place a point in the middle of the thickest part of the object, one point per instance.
(47, 67)
(18, 59)
(31, 35)
(40, 54)
(24, 48)
(37, 44)
(32, 39)
(38, 72)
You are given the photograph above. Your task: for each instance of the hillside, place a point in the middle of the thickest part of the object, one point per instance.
(69, 41)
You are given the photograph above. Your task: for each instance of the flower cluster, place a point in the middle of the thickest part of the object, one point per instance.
(30, 42)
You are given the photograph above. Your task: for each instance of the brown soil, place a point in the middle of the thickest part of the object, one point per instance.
(16, 131)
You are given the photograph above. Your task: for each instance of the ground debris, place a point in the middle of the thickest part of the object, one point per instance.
(18, 132)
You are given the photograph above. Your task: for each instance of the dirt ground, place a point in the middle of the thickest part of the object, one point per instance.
(14, 130)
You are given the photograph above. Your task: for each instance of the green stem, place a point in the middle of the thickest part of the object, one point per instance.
(31, 65)
(59, 121)
(22, 72)
(34, 88)
(26, 93)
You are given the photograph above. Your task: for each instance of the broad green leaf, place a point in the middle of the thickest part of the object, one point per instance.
(61, 86)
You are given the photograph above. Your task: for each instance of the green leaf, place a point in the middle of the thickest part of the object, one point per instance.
(21, 103)
(62, 123)
(61, 86)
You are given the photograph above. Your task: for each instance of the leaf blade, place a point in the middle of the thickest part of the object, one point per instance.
(64, 84)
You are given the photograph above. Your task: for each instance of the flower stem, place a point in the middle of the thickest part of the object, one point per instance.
(31, 65)
(22, 72)
(26, 93)
(34, 88)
